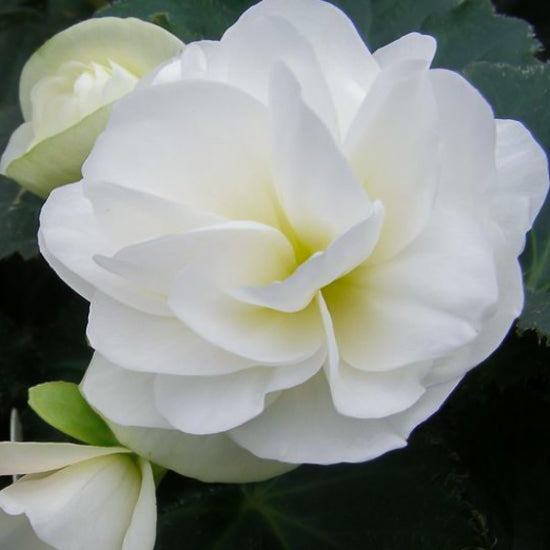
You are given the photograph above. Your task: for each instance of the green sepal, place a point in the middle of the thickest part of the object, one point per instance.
(61, 405)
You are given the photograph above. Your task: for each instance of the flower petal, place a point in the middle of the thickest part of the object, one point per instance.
(206, 405)
(241, 254)
(59, 505)
(150, 343)
(168, 150)
(70, 236)
(32, 458)
(522, 181)
(141, 533)
(302, 425)
(209, 458)
(314, 183)
(411, 46)
(345, 61)
(16, 533)
(122, 396)
(253, 46)
(129, 217)
(467, 141)
(392, 146)
(362, 394)
(424, 303)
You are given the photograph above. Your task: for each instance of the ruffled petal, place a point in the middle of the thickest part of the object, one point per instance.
(255, 45)
(522, 169)
(150, 343)
(242, 254)
(70, 236)
(317, 190)
(207, 405)
(345, 61)
(120, 395)
(168, 150)
(393, 146)
(426, 302)
(362, 394)
(209, 458)
(302, 425)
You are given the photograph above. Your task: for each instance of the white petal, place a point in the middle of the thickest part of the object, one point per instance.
(411, 46)
(168, 150)
(426, 302)
(142, 533)
(343, 254)
(393, 149)
(16, 533)
(241, 254)
(316, 188)
(467, 141)
(347, 65)
(434, 397)
(150, 343)
(128, 216)
(31, 458)
(210, 458)
(510, 304)
(122, 396)
(367, 394)
(254, 45)
(302, 425)
(85, 506)
(69, 238)
(522, 169)
(212, 404)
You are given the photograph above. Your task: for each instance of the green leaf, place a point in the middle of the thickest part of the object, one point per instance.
(19, 211)
(536, 315)
(391, 19)
(401, 500)
(189, 20)
(473, 32)
(61, 405)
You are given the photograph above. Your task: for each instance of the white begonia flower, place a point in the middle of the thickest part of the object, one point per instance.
(76, 497)
(66, 90)
(293, 248)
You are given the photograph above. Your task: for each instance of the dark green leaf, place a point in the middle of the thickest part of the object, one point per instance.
(391, 19)
(536, 314)
(473, 32)
(62, 406)
(189, 20)
(19, 212)
(402, 500)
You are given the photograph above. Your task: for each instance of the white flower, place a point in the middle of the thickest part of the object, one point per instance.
(293, 248)
(76, 498)
(66, 90)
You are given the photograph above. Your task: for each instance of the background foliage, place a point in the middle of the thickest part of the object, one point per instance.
(476, 476)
